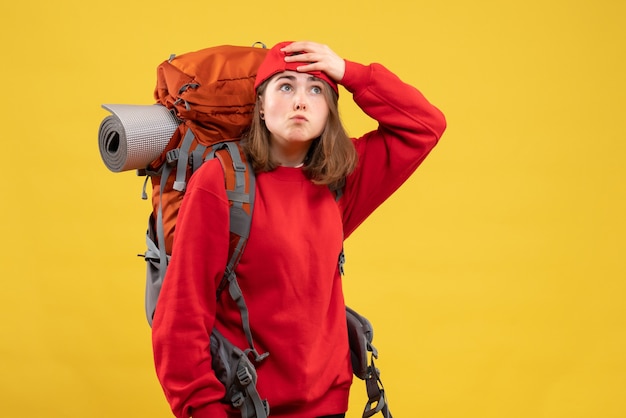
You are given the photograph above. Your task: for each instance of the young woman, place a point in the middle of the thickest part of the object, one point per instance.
(289, 271)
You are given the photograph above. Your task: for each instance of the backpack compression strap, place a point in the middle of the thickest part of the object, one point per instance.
(181, 158)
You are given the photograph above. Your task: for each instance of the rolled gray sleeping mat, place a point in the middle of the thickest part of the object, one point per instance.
(134, 135)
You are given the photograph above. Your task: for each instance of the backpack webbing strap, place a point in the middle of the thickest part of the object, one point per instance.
(235, 293)
(259, 408)
(196, 157)
(240, 186)
(375, 393)
(160, 230)
(180, 157)
(183, 159)
(241, 193)
(235, 370)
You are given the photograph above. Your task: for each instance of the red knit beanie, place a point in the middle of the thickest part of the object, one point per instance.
(275, 63)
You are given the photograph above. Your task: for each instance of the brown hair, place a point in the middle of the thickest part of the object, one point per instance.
(331, 157)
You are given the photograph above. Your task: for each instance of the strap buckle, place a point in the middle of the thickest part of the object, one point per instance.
(172, 155)
(244, 376)
(237, 400)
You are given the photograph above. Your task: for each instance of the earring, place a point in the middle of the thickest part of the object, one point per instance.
(262, 115)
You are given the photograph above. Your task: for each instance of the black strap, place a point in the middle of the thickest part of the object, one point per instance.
(377, 400)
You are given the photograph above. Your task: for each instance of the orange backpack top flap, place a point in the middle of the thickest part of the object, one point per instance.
(212, 92)
(211, 89)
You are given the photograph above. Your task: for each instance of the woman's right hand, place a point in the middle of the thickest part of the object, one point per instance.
(316, 57)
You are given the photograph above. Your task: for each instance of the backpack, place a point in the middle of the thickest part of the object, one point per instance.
(211, 91)
(211, 94)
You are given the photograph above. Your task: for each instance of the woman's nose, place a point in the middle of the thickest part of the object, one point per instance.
(299, 102)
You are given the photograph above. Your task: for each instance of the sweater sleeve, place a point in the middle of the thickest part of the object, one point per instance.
(409, 127)
(185, 313)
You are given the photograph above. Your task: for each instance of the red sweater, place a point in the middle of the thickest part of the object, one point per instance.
(288, 273)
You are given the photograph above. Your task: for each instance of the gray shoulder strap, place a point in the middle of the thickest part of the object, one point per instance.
(240, 223)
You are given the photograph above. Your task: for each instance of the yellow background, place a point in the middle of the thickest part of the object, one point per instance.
(495, 277)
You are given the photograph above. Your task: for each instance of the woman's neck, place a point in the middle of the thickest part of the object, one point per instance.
(290, 156)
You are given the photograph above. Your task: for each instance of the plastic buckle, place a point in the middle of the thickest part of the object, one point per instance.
(187, 86)
(342, 261)
(172, 155)
(244, 376)
(237, 400)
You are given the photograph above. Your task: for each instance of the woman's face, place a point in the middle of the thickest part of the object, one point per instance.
(295, 109)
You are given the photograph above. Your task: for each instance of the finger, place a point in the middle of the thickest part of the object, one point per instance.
(315, 57)
(305, 68)
(310, 63)
(300, 46)
(303, 57)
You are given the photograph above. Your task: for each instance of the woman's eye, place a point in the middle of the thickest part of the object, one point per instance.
(285, 87)
(316, 90)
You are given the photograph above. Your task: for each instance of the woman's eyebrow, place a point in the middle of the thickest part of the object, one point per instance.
(293, 77)
(287, 76)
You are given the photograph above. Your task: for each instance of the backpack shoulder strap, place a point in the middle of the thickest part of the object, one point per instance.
(240, 186)
(239, 183)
